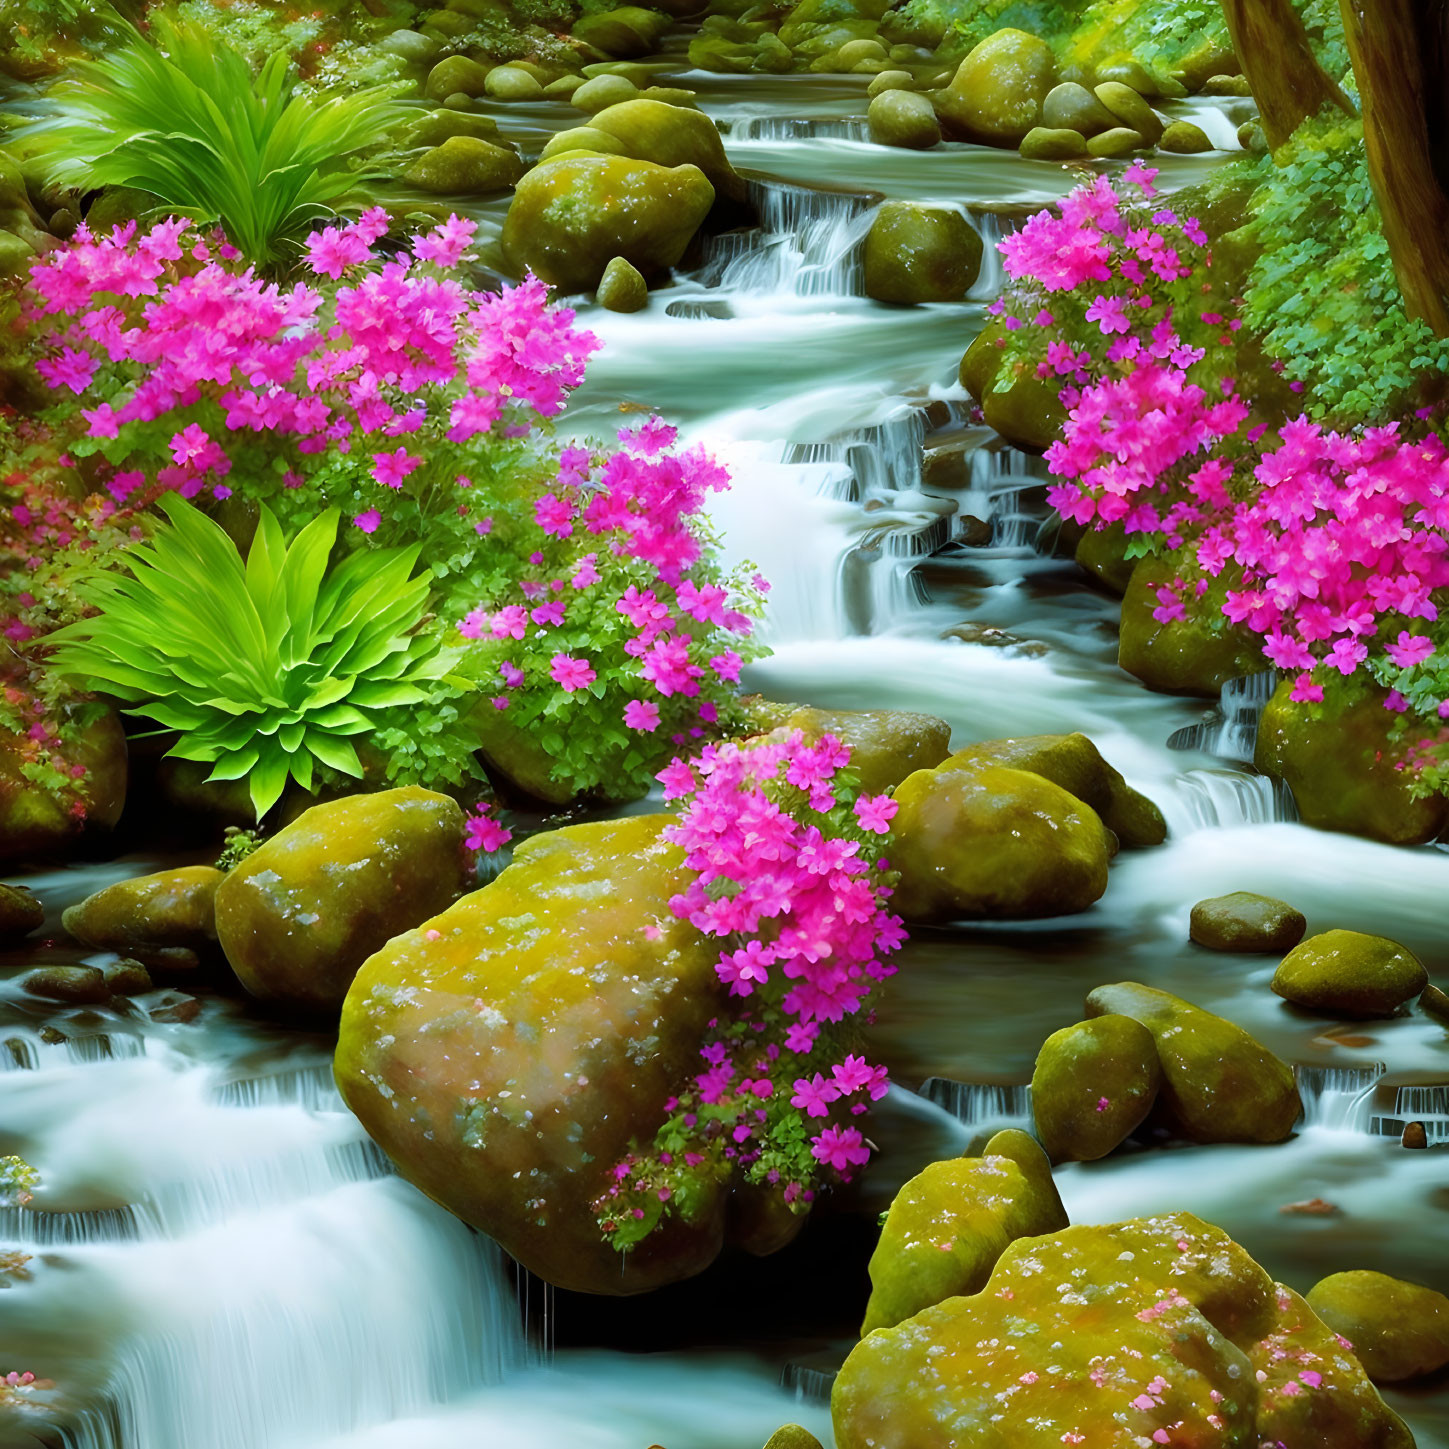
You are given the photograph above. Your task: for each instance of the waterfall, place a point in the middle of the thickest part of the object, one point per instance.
(982, 1107)
(1338, 1098)
(1208, 799)
(1231, 731)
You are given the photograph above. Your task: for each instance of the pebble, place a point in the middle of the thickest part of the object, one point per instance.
(1416, 1135)
(84, 985)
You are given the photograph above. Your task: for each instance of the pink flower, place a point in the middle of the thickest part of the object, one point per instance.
(875, 813)
(570, 673)
(484, 833)
(368, 521)
(642, 715)
(1409, 649)
(391, 468)
(840, 1148)
(813, 1095)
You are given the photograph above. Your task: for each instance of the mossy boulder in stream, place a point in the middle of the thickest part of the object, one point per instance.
(1244, 921)
(1197, 654)
(1094, 1084)
(1340, 765)
(570, 216)
(671, 136)
(918, 253)
(1103, 553)
(164, 919)
(508, 1052)
(1073, 106)
(626, 32)
(989, 842)
(1154, 1331)
(885, 745)
(996, 95)
(622, 288)
(305, 909)
(1218, 1083)
(903, 118)
(1350, 973)
(949, 1224)
(1398, 1330)
(1076, 764)
(465, 166)
(20, 913)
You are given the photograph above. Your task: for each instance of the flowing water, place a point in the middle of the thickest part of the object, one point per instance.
(220, 1260)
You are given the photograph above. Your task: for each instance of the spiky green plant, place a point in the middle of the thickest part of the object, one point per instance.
(187, 120)
(266, 668)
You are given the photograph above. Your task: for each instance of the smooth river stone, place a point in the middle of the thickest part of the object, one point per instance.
(1350, 973)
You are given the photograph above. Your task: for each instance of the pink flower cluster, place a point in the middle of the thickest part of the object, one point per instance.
(483, 833)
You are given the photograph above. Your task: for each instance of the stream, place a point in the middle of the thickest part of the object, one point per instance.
(222, 1260)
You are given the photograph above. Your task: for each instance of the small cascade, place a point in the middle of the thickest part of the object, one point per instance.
(1220, 799)
(30, 1051)
(1338, 1099)
(1230, 731)
(32, 1228)
(1426, 1104)
(808, 1385)
(794, 128)
(982, 1107)
(309, 1087)
(990, 279)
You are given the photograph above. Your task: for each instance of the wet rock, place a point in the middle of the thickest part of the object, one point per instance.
(564, 87)
(903, 118)
(1218, 1083)
(793, 1436)
(1194, 655)
(1102, 552)
(1130, 110)
(582, 138)
(1244, 921)
(20, 913)
(885, 745)
(1073, 107)
(1350, 973)
(1093, 1086)
(627, 32)
(511, 83)
(1416, 1135)
(75, 985)
(600, 92)
(1184, 138)
(996, 95)
(992, 842)
(410, 46)
(919, 253)
(1340, 765)
(1227, 85)
(1042, 143)
(169, 910)
(1252, 137)
(1119, 141)
(33, 822)
(456, 73)
(1435, 1003)
(1313, 1207)
(571, 216)
(671, 136)
(1022, 407)
(303, 911)
(1399, 1330)
(949, 1224)
(1076, 764)
(622, 289)
(176, 1009)
(891, 80)
(1141, 1330)
(435, 127)
(855, 51)
(676, 96)
(128, 978)
(465, 166)
(508, 1052)
(1205, 63)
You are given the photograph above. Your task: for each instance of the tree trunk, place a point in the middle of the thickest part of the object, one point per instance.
(1388, 45)
(1278, 61)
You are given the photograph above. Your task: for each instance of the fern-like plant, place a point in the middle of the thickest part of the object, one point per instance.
(188, 121)
(266, 668)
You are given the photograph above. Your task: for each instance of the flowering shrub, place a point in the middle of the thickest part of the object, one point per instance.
(788, 873)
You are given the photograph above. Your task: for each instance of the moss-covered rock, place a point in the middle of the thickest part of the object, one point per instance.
(920, 253)
(465, 166)
(74, 985)
(949, 1224)
(892, 80)
(582, 138)
(20, 913)
(1021, 406)
(512, 83)
(1340, 765)
(432, 128)
(626, 32)
(1399, 1330)
(1076, 764)
(991, 842)
(1184, 138)
(305, 909)
(1044, 143)
(1193, 655)
(152, 917)
(1244, 921)
(572, 215)
(602, 91)
(1157, 1330)
(1094, 1085)
(1218, 1083)
(456, 73)
(885, 745)
(35, 822)
(1118, 142)
(622, 288)
(1103, 553)
(996, 95)
(1073, 107)
(793, 1436)
(903, 118)
(1349, 973)
(508, 1052)
(1130, 110)
(671, 136)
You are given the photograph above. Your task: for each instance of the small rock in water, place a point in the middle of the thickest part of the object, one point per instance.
(622, 288)
(1119, 141)
(1251, 137)
(918, 253)
(466, 166)
(1435, 1003)
(890, 80)
(1185, 138)
(509, 83)
(1073, 106)
(176, 1008)
(20, 913)
(1399, 1330)
(1227, 85)
(903, 118)
(1415, 1135)
(1130, 109)
(1313, 1207)
(82, 985)
(602, 91)
(1046, 143)
(128, 978)
(1351, 973)
(1244, 921)
(1094, 1084)
(792, 1436)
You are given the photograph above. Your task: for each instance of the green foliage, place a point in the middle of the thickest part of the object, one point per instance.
(189, 123)
(268, 669)
(1322, 292)
(239, 844)
(18, 1180)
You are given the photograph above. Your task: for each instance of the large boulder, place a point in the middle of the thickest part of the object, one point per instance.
(1245, 921)
(992, 842)
(1218, 1083)
(165, 919)
(950, 1223)
(885, 745)
(671, 136)
(1076, 764)
(507, 1053)
(1398, 1330)
(1154, 1331)
(1340, 765)
(1073, 106)
(919, 253)
(572, 215)
(1351, 974)
(34, 821)
(20, 913)
(996, 95)
(627, 32)
(304, 910)
(1094, 1084)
